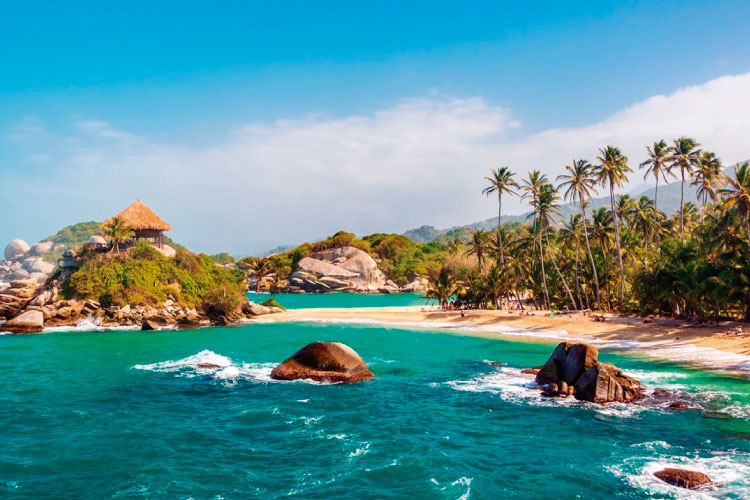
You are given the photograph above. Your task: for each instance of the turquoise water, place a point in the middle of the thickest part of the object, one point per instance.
(90, 415)
(347, 300)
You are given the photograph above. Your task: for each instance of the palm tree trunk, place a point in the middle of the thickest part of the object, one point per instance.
(499, 236)
(559, 274)
(617, 239)
(591, 256)
(578, 267)
(656, 211)
(682, 206)
(544, 275)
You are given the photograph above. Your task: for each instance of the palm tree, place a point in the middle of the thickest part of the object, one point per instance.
(117, 230)
(571, 232)
(684, 155)
(547, 206)
(478, 245)
(580, 182)
(261, 267)
(613, 172)
(532, 186)
(443, 288)
(708, 176)
(454, 246)
(738, 194)
(657, 166)
(501, 181)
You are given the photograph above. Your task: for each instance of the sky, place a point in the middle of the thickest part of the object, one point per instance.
(248, 125)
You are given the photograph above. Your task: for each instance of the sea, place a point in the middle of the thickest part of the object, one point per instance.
(93, 413)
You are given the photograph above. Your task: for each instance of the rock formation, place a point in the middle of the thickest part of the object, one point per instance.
(330, 362)
(14, 298)
(683, 478)
(574, 369)
(345, 268)
(15, 249)
(28, 322)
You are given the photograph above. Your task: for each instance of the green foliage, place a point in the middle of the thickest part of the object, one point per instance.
(172, 243)
(77, 234)
(221, 300)
(145, 276)
(271, 302)
(222, 258)
(340, 239)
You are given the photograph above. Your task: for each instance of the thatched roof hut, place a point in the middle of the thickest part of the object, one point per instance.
(146, 224)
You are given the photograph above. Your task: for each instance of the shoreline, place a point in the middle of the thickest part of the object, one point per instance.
(670, 340)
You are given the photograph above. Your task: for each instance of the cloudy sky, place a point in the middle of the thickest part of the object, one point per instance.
(247, 128)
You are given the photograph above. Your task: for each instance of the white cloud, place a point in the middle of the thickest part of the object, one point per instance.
(420, 161)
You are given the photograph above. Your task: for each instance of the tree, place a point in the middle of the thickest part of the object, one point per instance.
(501, 181)
(737, 194)
(708, 177)
(580, 182)
(613, 172)
(532, 187)
(658, 166)
(443, 288)
(261, 267)
(684, 155)
(478, 245)
(117, 231)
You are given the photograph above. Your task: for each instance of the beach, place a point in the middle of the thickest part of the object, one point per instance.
(675, 340)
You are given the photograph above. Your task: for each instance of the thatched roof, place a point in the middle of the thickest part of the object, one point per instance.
(139, 217)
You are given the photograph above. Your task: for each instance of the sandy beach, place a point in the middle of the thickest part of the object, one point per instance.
(669, 339)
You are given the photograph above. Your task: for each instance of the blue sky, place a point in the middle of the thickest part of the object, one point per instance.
(93, 91)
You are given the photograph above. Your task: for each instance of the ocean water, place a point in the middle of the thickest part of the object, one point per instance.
(132, 415)
(347, 300)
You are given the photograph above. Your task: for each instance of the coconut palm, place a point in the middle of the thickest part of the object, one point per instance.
(454, 246)
(571, 236)
(501, 181)
(443, 288)
(613, 172)
(532, 187)
(658, 166)
(684, 155)
(580, 182)
(737, 194)
(479, 245)
(117, 231)
(261, 267)
(708, 177)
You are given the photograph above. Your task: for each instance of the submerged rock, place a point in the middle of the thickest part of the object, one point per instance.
(683, 478)
(330, 362)
(28, 322)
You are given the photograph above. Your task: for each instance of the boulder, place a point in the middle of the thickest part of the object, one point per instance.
(151, 324)
(605, 383)
(682, 478)
(39, 278)
(16, 249)
(16, 297)
(38, 265)
(575, 369)
(321, 268)
(17, 274)
(330, 362)
(42, 248)
(334, 283)
(28, 322)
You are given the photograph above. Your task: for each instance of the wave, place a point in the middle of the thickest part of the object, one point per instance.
(705, 357)
(730, 471)
(89, 324)
(209, 364)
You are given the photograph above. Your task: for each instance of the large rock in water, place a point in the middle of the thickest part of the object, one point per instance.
(330, 362)
(576, 366)
(337, 268)
(28, 322)
(15, 249)
(683, 478)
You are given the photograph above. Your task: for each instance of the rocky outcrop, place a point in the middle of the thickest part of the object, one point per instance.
(14, 298)
(330, 362)
(338, 269)
(574, 369)
(16, 249)
(28, 322)
(419, 285)
(42, 248)
(682, 478)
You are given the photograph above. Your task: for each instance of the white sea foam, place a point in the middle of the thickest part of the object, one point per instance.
(360, 451)
(209, 364)
(515, 387)
(706, 357)
(729, 471)
(89, 324)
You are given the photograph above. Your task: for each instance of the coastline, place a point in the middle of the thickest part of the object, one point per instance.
(666, 339)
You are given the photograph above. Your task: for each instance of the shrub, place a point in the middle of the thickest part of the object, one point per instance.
(221, 300)
(271, 302)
